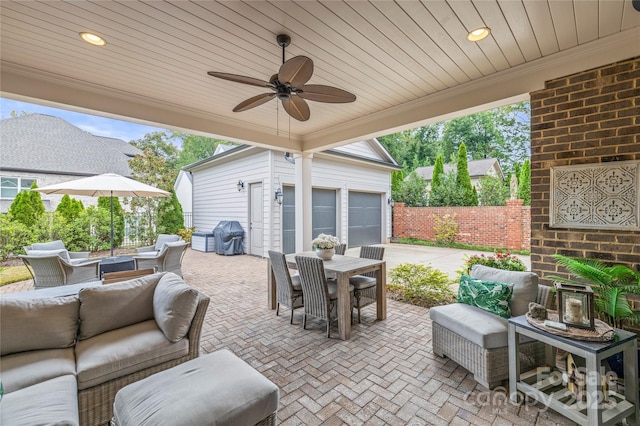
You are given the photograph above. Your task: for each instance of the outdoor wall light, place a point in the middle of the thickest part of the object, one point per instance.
(390, 201)
(279, 196)
(240, 185)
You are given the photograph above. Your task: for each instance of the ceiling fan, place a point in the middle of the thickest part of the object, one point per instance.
(289, 86)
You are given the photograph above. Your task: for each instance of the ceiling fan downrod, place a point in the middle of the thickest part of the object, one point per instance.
(283, 41)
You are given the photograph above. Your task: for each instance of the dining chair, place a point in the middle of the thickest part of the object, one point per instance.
(320, 297)
(341, 248)
(288, 291)
(365, 285)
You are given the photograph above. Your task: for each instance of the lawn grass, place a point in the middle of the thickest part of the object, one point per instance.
(418, 242)
(12, 274)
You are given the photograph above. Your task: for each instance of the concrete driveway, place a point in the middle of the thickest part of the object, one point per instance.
(447, 260)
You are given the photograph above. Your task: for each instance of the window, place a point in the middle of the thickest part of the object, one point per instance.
(10, 186)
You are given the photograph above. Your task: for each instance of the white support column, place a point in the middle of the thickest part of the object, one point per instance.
(303, 187)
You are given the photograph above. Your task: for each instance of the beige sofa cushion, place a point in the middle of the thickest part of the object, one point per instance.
(33, 324)
(52, 402)
(525, 285)
(472, 323)
(24, 369)
(124, 351)
(174, 304)
(115, 306)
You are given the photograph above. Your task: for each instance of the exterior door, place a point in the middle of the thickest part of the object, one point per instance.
(365, 219)
(256, 219)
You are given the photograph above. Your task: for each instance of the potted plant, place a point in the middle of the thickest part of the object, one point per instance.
(325, 245)
(611, 285)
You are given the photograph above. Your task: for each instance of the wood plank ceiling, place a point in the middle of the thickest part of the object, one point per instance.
(408, 62)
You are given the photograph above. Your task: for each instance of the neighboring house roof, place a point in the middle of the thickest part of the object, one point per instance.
(222, 148)
(370, 151)
(46, 144)
(477, 168)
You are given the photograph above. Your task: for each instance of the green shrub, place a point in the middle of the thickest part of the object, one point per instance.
(420, 285)
(13, 236)
(69, 207)
(170, 215)
(499, 260)
(27, 207)
(446, 229)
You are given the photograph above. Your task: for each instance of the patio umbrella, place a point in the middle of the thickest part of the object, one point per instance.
(105, 185)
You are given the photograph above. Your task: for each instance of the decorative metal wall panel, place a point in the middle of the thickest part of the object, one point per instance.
(596, 196)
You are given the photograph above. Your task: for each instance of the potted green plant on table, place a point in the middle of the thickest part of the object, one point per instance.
(611, 285)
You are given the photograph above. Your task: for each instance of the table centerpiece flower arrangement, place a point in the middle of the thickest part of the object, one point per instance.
(325, 245)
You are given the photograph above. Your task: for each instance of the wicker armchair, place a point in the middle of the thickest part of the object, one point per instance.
(168, 260)
(53, 271)
(365, 285)
(57, 247)
(155, 249)
(288, 293)
(320, 297)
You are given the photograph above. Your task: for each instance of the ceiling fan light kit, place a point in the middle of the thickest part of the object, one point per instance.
(289, 86)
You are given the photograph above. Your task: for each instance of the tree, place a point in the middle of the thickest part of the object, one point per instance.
(170, 215)
(438, 172)
(397, 180)
(463, 180)
(413, 148)
(412, 192)
(447, 193)
(69, 208)
(27, 207)
(493, 191)
(195, 148)
(160, 145)
(524, 183)
(153, 167)
(118, 218)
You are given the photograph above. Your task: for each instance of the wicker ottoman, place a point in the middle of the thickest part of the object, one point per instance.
(215, 389)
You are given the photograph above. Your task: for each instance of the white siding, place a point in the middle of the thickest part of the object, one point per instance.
(184, 191)
(216, 198)
(361, 149)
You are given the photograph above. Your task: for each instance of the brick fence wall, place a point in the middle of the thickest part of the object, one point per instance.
(585, 118)
(501, 227)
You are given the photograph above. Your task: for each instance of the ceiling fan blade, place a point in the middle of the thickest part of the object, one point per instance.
(297, 108)
(322, 93)
(296, 71)
(240, 79)
(254, 102)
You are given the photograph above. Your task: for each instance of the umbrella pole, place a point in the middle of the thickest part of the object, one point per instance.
(111, 198)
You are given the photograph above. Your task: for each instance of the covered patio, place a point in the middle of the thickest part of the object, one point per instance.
(385, 374)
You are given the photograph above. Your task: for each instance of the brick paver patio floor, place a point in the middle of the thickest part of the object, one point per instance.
(386, 374)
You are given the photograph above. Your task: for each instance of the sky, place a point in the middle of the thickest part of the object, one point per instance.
(99, 126)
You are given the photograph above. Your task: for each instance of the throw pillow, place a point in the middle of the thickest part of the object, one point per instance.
(525, 285)
(174, 305)
(33, 324)
(113, 306)
(491, 296)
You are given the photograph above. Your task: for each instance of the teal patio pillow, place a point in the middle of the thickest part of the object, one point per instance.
(491, 296)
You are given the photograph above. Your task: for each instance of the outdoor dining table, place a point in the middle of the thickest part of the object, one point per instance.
(343, 267)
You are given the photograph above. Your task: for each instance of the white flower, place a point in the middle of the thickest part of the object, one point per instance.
(325, 241)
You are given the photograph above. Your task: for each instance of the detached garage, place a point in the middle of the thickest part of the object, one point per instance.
(351, 185)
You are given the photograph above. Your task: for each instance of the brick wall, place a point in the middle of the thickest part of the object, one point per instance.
(585, 118)
(501, 227)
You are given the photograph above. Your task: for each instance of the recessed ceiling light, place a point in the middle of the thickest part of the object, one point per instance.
(478, 34)
(93, 39)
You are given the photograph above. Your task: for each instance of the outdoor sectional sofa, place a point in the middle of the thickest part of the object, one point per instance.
(64, 358)
(477, 339)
